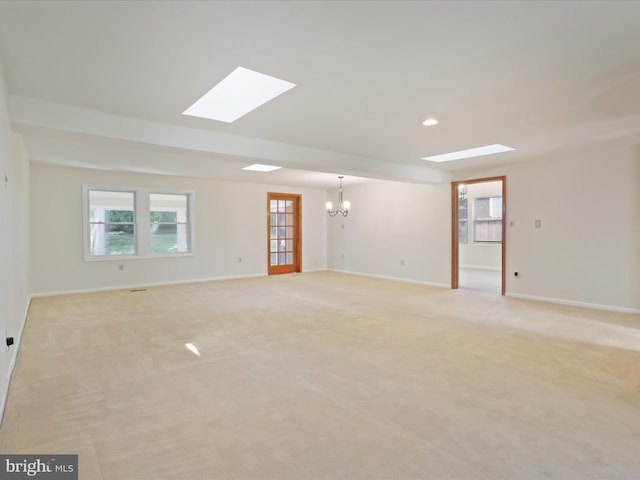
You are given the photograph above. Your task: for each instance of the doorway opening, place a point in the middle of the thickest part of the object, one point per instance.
(284, 243)
(478, 234)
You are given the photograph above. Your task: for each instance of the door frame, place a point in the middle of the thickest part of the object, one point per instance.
(297, 233)
(455, 251)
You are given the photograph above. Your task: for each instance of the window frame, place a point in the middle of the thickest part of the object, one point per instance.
(142, 223)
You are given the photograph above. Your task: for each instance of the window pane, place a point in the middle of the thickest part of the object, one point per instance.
(274, 246)
(462, 232)
(106, 239)
(169, 238)
(488, 231)
(289, 258)
(118, 216)
(164, 216)
(274, 259)
(111, 223)
(463, 217)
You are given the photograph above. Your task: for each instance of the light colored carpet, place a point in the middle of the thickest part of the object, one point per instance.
(476, 279)
(326, 376)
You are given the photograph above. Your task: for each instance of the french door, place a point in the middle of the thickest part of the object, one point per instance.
(284, 233)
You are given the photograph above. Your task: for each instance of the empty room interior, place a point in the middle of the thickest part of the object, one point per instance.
(321, 240)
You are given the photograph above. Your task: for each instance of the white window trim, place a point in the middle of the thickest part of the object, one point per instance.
(142, 225)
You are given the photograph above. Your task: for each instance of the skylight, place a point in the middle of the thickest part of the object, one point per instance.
(472, 152)
(257, 167)
(242, 91)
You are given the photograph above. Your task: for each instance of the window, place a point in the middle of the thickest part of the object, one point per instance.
(136, 223)
(111, 223)
(169, 223)
(487, 223)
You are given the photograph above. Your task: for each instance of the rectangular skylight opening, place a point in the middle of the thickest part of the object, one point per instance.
(472, 152)
(257, 167)
(239, 93)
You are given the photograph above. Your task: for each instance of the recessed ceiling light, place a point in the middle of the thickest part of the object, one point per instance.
(429, 122)
(242, 91)
(257, 167)
(472, 152)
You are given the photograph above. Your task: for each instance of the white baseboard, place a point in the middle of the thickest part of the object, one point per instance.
(146, 285)
(12, 362)
(395, 279)
(573, 303)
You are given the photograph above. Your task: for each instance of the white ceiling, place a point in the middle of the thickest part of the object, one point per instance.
(103, 84)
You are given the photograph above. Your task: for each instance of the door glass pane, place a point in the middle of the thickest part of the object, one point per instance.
(281, 258)
(289, 258)
(274, 259)
(274, 246)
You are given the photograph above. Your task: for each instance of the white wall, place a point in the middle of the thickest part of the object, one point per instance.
(486, 256)
(587, 251)
(230, 222)
(390, 222)
(14, 241)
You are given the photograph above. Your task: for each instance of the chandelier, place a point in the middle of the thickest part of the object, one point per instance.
(343, 207)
